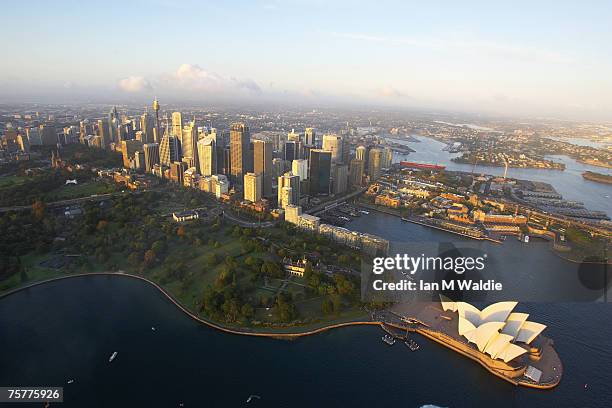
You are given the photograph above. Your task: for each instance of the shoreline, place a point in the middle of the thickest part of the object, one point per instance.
(184, 309)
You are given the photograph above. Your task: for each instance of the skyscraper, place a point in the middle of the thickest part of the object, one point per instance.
(240, 137)
(319, 171)
(356, 173)
(177, 124)
(147, 126)
(333, 144)
(262, 164)
(375, 163)
(168, 150)
(340, 179)
(360, 153)
(309, 137)
(293, 135)
(189, 137)
(299, 167)
(157, 129)
(103, 133)
(252, 187)
(207, 155)
(128, 148)
(291, 150)
(151, 156)
(292, 181)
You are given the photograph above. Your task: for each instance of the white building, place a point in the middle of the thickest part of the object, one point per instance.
(299, 167)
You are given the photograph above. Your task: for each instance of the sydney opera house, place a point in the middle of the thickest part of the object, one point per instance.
(501, 339)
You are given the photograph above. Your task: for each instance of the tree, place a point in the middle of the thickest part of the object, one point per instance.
(327, 306)
(180, 231)
(134, 259)
(38, 209)
(247, 310)
(149, 257)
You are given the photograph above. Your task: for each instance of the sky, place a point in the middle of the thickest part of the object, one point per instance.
(524, 58)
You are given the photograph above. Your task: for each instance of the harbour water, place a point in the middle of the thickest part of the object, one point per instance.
(569, 183)
(67, 330)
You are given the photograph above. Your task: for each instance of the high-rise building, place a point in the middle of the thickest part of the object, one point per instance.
(262, 164)
(177, 124)
(207, 156)
(299, 167)
(333, 144)
(103, 133)
(33, 134)
(319, 171)
(279, 167)
(128, 148)
(340, 179)
(48, 136)
(360, 153)
(375, 163)
(387, 158)
(356, 173)
(168, 150)
(240, 138)
(189, 138)
(309, 137)
(285, 197)
(292, 181)
(291, 150)
(151, 156)
(146, 127)
(253, 187)
(177, 172)
(294, 136)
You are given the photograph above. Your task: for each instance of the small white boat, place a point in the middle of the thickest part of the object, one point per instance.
(153, 328)
(252, 396)
(112, 357)
(70, 381)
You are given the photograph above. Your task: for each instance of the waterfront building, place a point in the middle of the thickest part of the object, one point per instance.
(151, 156)
(253, 187)
(319, 172)
(240, 137)
(375, 162)
(262, 164)
(340, 179)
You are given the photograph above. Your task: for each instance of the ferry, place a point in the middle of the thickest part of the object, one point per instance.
(388, 339)
(364, 212)
(112, 357)
(412, 345)
(422, 166)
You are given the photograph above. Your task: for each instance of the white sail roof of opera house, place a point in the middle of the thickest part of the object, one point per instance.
(495, 329)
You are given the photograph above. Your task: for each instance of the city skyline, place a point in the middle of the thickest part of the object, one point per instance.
(525, 60)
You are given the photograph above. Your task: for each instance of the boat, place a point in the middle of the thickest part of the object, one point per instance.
(364, 212)
(405, 219)
(388, 339)
(422, 166)
(112, 357)
(153, 328)
(252, 396)
(412, 345)
(70, 381)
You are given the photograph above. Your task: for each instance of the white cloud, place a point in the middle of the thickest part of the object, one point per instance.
(194, 77)
(390, 92)
(135, 84)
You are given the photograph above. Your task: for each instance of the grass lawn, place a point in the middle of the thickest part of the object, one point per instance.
(69, 191)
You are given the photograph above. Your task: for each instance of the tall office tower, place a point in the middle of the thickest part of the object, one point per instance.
(23, 142)
(240, 140)
(151, 156)
(189, 138)
(156, 128)
(279, 167)
(285, 197)
(177, 172)
(253, 187)
(289, 180)
(147, 128)
(139, 160)
(207, 156)
(128, 148)
(291, 150)
(299, 167)
(113, 122)
(319, 171)
(333, 144)
(356, 172)
(293, 135)
(103, 133)
(262, 164)
(387, 158)
(346, 150)
(177, 124)
(309, 137)
(340, 179)
(34, 137)
(360, 153)
(168, 150)
(375, 163)
(82, 131)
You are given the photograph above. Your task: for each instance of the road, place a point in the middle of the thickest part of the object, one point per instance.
(335, 202)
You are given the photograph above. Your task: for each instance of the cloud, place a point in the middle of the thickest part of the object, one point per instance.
(194, 77)
(390, 92)
(135, 84)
